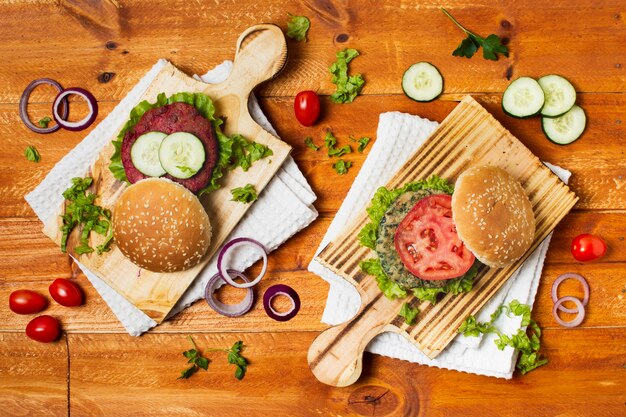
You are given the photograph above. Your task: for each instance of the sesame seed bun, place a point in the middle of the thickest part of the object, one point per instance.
(493, 215)
(161, 226)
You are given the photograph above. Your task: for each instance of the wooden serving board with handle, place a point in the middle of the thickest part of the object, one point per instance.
(469, 136)
(261, 53)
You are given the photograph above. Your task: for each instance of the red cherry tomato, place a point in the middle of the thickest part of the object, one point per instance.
(26, 302)
(588, 247)
(66, 293)
(307, 107)
(44, 329)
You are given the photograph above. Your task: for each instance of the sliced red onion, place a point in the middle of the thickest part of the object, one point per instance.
(229, 310)
(580, 310)
(87, 120)
(241, 241)
(287, 291)
(563, 277)
(24, 104)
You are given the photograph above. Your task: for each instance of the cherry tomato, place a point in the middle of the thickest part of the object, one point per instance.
(307, 107)
(26, 302)
(427, 242)
(588, 247)
(66, 293)
(44, 329)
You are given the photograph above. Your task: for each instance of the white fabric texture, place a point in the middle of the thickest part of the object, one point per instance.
(288, 193)
(398, 136)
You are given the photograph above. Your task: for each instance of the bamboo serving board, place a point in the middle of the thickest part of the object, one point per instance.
(261, 52)
(469, 136)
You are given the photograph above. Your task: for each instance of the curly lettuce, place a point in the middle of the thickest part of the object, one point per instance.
(235, 151)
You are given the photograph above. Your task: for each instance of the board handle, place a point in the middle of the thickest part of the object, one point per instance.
(336, 356)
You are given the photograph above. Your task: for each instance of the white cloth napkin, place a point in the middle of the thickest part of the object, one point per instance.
(288, 193)
(398, 136)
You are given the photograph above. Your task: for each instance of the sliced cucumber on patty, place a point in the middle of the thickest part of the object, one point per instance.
(145, 154)
(565, 129)
(560, 95)
(181, 155)
(422, 82)
(523, 98)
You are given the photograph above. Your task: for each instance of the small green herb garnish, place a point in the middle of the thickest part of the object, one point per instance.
(492, 44)
(32, 154)
(199, 361)
(298, 27)
(81, 210)
(245, 194)
(309, 142)
(245, 152)
(362, 143)
(527, 342)
(330, 141)
(409, 313)
(44, 121)
(342, 166)
(348, 87)
(186, 169)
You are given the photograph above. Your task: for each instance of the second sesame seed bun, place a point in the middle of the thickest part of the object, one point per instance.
(493, 215)
(161, 226)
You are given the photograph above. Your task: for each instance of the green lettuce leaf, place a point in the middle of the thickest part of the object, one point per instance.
(454, 286)
(409, 313)
(388, 287)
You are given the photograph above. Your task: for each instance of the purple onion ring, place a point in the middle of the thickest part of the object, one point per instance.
(563, 277)
(580, 310)
(24, 104)
(287, 291)
(240, 241)
(87, 120)
(229, 310)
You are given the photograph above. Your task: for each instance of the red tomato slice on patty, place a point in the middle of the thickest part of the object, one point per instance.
(427, 241)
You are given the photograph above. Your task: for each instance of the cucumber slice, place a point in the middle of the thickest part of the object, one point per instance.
(523, 98)
(565, 129)
(422, 82)
(145, 154)
(181, 155)
(560, 95)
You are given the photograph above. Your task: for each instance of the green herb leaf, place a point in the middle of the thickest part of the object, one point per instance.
(235, 358)
(330, 141)
(188, 372)
(341, 166)
(32, 154)
(309, 142)
(81, 210)
(44, 121)
(298, 27)
(389, 288)
(492, 44)
(246, 194)
(409, 313)
(348, 87)
(362, 143)
(186, 169)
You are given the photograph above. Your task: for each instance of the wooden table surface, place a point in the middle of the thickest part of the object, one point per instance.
(97, 369)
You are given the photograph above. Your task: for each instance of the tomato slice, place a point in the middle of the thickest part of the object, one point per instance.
(427, 241)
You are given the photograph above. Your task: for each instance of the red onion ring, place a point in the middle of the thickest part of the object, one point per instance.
(580, 310)
(24, 104)
(563, 277)
(229, 310)
(287, 291)
(240, 241)
(87, 120)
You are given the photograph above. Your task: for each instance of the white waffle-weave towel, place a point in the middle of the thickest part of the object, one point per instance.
(398, 136)
(287, 193)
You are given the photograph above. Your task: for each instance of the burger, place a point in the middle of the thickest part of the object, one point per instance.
(161, 226)
(432, 237)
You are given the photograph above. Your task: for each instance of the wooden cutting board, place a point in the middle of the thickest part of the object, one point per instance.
(261, 53)
(469, 136)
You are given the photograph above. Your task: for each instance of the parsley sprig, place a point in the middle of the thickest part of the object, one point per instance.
(492, 44)
(81, 210)
(198, 360)
(32, 154)
(526, 341)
